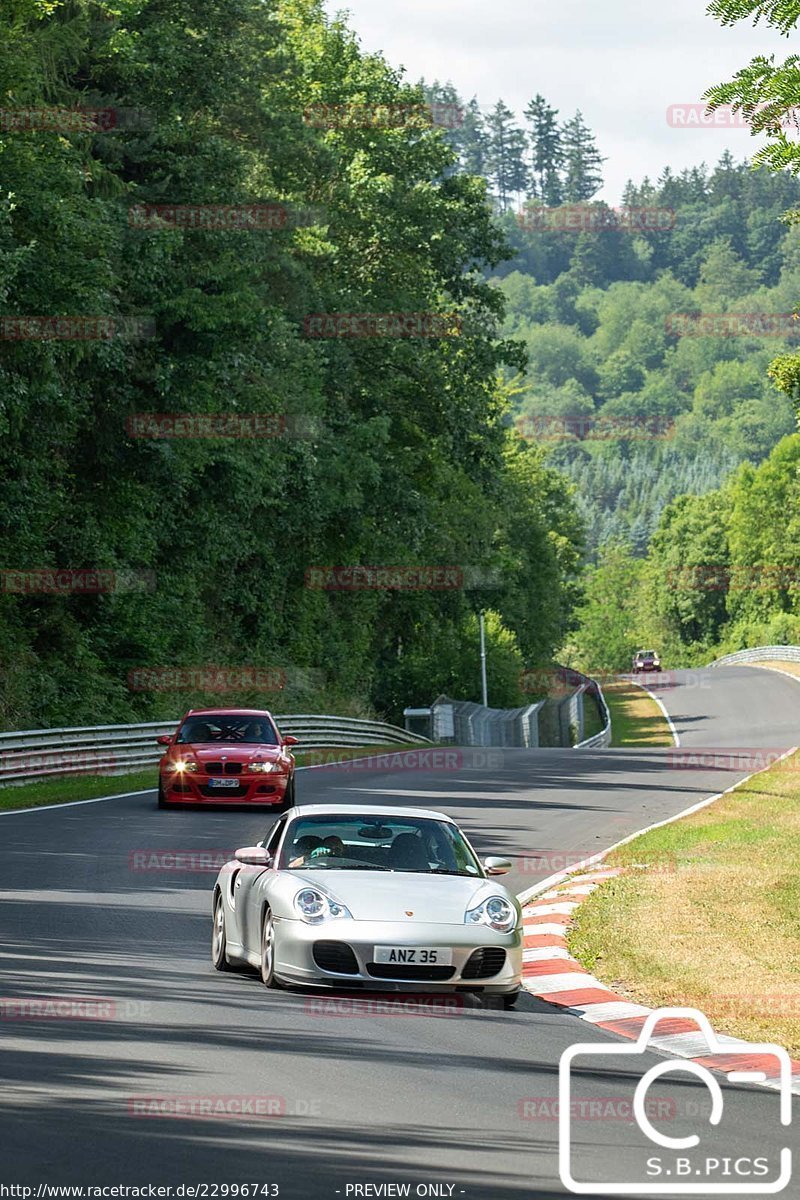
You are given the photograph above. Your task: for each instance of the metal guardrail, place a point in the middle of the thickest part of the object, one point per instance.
(118, 749)
(759, 654)
(603, 738)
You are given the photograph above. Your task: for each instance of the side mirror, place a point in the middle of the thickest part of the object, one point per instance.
(253, 856)
(291, 740)
(164, 739)
(497, 866)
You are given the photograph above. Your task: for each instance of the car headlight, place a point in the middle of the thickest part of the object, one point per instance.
(185, 764)
(315, 907)
(496, 912)
(262, 767)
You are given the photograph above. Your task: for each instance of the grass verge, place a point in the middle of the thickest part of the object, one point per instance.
(636, 719)
(90, 787)
(709, 915)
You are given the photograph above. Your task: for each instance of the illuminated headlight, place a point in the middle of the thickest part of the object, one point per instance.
(263, 767)
(187, 764)
(314, 907)
(496, 912)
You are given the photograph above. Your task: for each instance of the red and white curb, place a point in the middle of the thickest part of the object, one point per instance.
(550, 973)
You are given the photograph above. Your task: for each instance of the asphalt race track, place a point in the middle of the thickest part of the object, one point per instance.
(363, 1099)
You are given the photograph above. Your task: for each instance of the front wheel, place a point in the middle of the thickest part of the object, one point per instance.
(510, 1000)
(219, 941)
(289, 796)
(268, 951)
(162, 796)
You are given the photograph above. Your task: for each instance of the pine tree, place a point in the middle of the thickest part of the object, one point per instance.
(583, 162)
(473, 140)
(546, 151)
(508, 172)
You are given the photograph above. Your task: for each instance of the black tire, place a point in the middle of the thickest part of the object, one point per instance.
(162, 799)
(290, 796)
(219, 941)
(268, 951)
(510, 1000)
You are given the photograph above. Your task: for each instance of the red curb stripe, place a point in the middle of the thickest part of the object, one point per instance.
(538, 941)
(627, 1027)
(579, 998)
(744, 1062)
(556, 966)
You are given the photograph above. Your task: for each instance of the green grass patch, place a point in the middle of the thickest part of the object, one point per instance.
(708, 915)
(636, 720)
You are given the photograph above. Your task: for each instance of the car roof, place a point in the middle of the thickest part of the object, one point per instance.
(233, 712)
(366, 810)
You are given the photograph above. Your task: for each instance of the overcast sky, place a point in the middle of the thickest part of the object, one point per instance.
(622, 62)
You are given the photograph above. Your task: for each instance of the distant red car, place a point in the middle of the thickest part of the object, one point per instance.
(227, 756)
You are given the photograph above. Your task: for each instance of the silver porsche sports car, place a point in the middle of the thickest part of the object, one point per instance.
(369, 898)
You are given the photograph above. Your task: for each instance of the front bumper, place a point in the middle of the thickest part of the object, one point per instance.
(183, 788)
(298, 956)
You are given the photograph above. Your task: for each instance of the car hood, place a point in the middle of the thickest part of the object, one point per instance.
(390, 896)
(206, 752)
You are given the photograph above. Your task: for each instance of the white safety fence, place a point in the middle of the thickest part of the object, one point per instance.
(117, 749)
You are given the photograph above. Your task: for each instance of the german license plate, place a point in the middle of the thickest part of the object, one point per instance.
(418, 956)
(223, 783)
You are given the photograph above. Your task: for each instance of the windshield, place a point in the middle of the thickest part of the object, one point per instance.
(229, 728)
(358, 843)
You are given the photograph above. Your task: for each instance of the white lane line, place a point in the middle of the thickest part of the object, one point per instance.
(562, 876)
(16, 812)
(657, 700)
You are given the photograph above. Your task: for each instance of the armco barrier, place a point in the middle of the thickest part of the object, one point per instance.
(759, 654)
(553, 722)
(117, 749)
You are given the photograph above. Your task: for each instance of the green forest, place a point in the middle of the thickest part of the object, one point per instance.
(569, 449)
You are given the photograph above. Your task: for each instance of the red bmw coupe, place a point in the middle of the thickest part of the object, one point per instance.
(228, 756)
